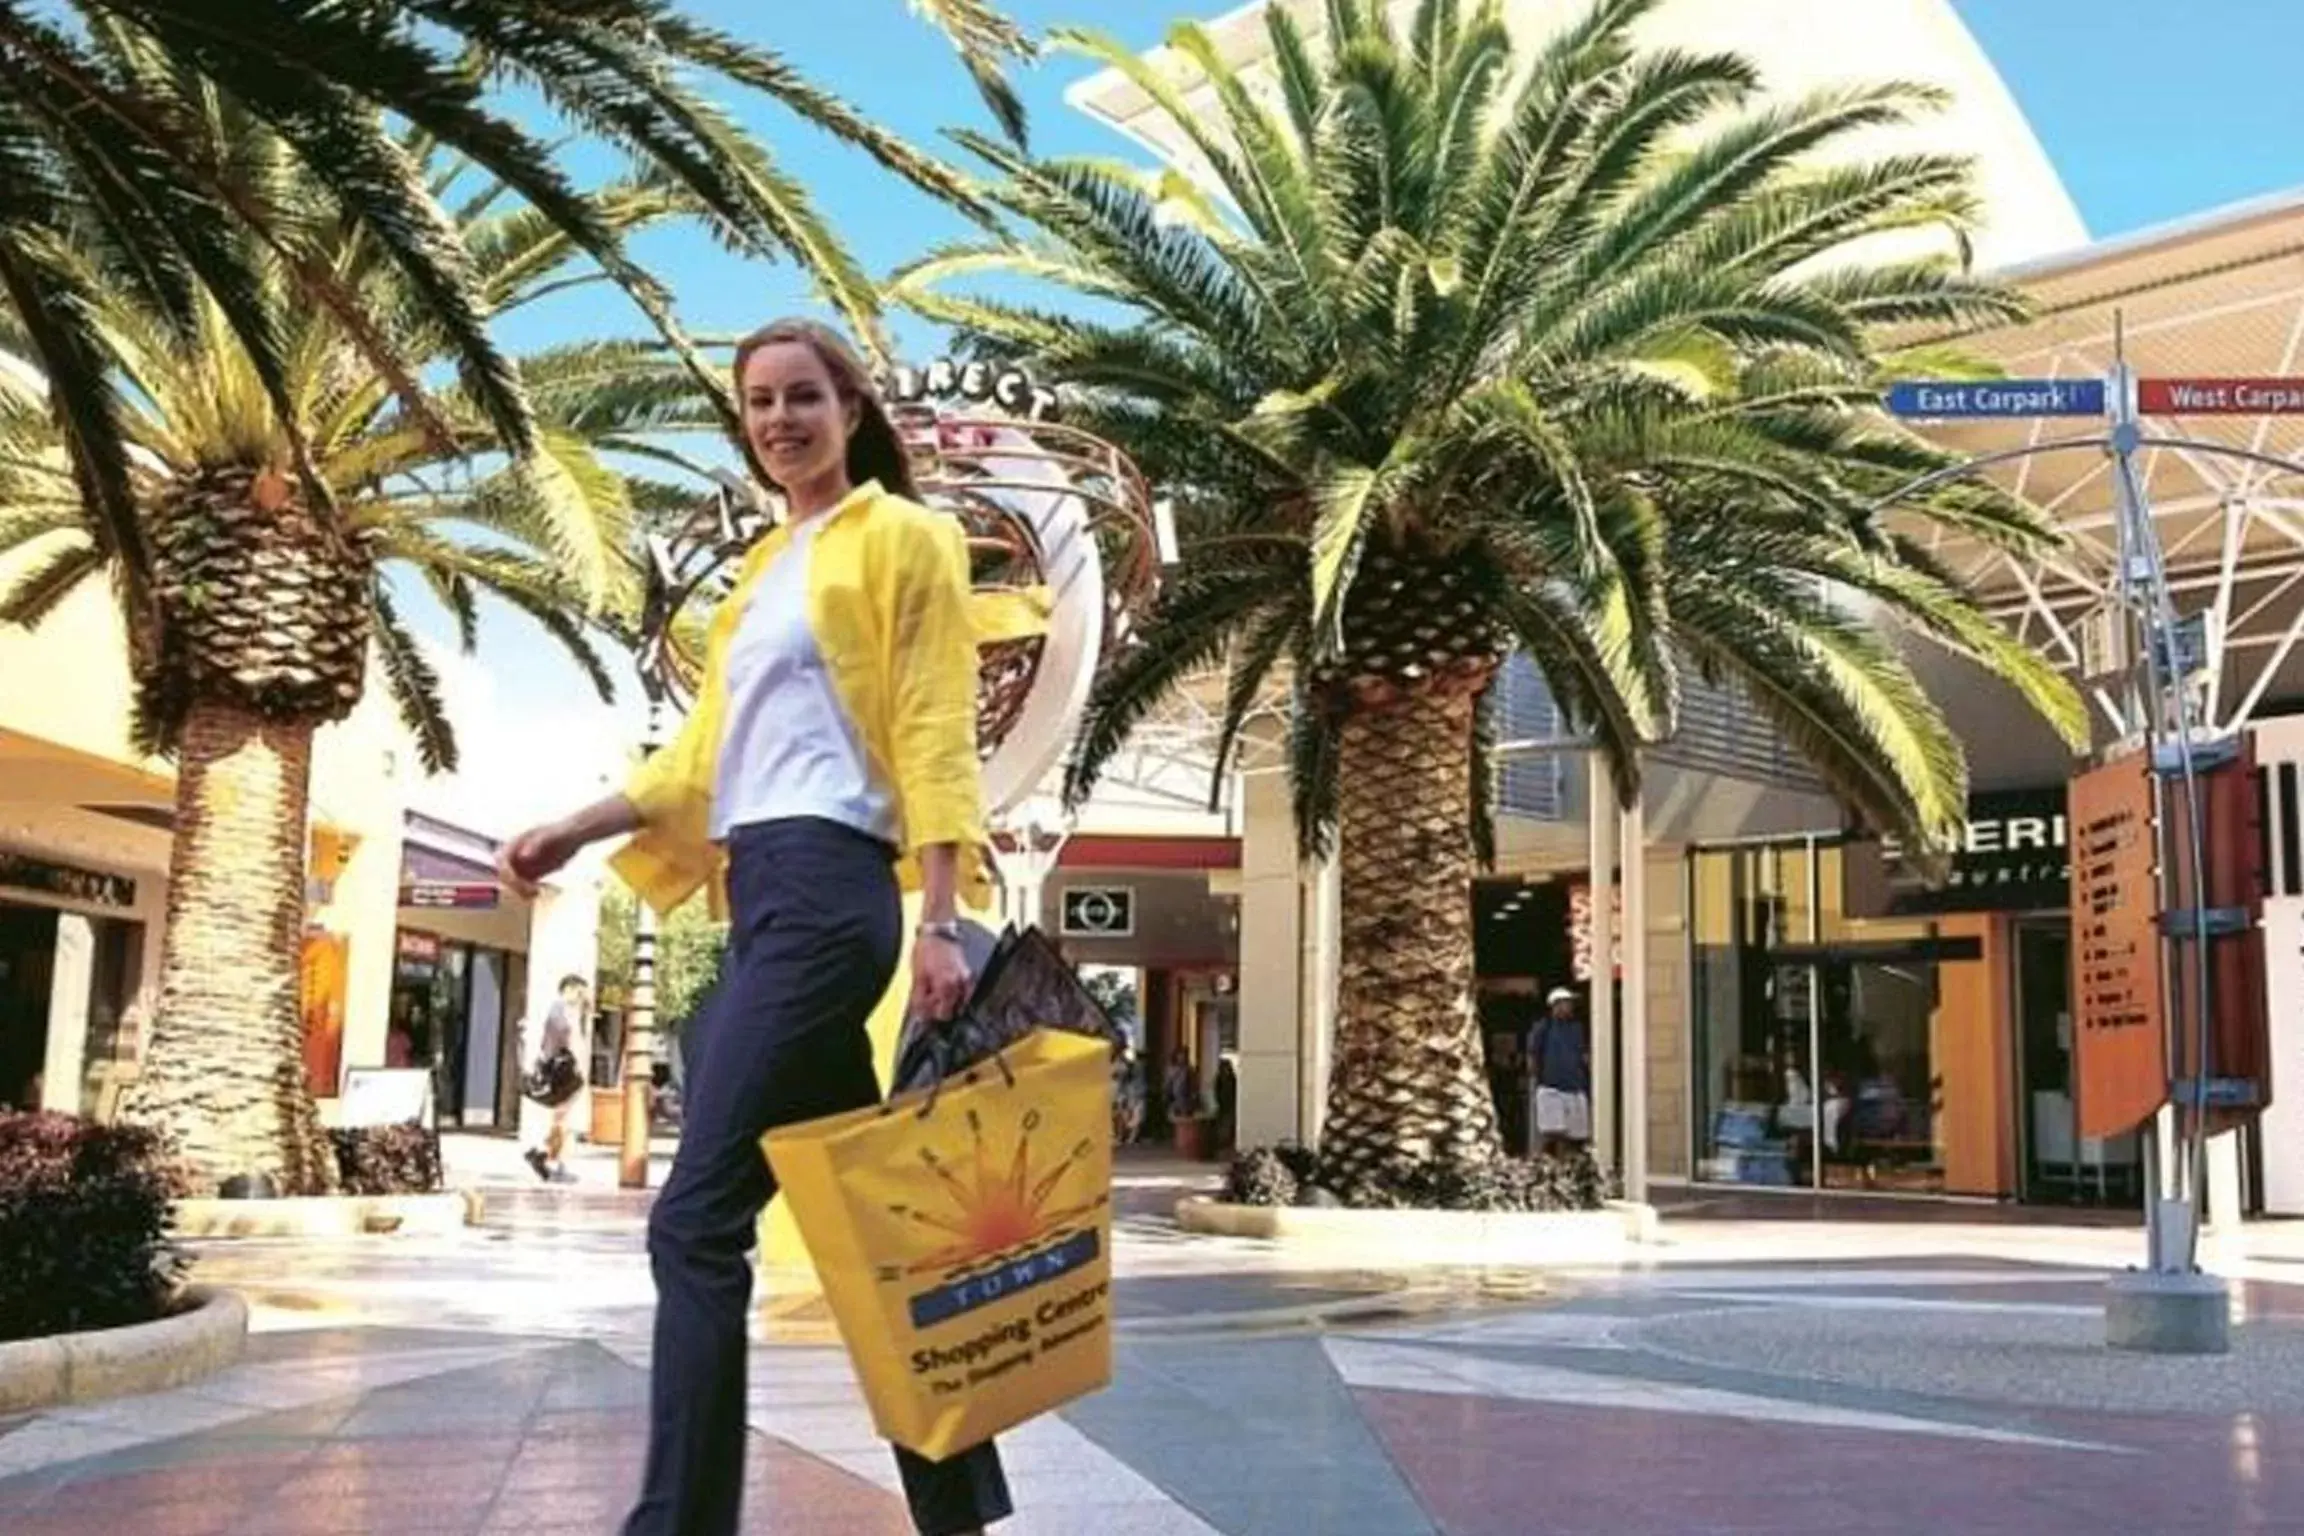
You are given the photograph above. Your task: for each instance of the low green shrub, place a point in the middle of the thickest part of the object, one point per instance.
(84, 1212)
(1292, 1175)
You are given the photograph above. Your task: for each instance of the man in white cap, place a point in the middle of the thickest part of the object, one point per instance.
(1561, 1055)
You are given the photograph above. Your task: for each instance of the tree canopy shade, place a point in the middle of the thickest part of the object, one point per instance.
(105, 107)
(254, 248)
(1451, 349)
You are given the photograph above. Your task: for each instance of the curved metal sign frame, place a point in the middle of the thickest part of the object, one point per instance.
(1054, 515)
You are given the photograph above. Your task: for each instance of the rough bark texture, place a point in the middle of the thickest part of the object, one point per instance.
(1408, 1083)
(256, 599)
(223, 1071)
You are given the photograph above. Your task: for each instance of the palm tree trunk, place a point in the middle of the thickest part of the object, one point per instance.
(224, 1069)
(1409, 1083)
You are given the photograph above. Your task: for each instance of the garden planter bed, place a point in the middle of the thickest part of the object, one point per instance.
(329, 1216)
(1409, 1238)
(203, 1337)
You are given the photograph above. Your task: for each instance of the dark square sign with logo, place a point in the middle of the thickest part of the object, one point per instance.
(1099, 912)
(2015, 855)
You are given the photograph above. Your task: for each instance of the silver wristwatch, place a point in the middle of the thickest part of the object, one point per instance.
(949, 932)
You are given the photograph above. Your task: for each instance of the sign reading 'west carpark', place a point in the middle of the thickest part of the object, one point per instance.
(2220, 397)
(1928, 398)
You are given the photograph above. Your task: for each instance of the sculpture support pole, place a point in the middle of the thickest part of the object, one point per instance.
(640, 1016)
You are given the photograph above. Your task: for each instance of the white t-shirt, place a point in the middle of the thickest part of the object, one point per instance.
(788, 749)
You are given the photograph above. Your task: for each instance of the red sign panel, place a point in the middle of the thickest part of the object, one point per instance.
(2220, 397)
(2119, 1050)
(1580, 914)
(2240, 1043)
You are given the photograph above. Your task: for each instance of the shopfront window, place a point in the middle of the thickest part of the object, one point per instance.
(449, 1017)
(1836, 1051)
(1752, 1015)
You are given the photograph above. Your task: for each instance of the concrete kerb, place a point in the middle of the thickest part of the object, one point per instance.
(205, 1336)
(1431, 1239)
(330, 1216)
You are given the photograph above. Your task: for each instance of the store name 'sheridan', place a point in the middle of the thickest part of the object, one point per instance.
(2015, 851)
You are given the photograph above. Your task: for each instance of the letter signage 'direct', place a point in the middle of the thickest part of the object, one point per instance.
(1945, 398)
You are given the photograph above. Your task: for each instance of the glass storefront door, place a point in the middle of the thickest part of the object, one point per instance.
(1763, 1126)
(1754, 1016)
(1881, 1081)
(1840, 1052)
(2059, 1165)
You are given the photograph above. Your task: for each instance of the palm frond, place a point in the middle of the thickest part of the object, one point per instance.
(51, 577)
(415, 686)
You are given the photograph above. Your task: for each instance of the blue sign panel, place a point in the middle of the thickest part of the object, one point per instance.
(1998, 397)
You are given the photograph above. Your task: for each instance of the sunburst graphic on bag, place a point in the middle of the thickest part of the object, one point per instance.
(998, 1203)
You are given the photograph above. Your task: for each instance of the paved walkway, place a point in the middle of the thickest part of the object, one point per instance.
(1794, 1379)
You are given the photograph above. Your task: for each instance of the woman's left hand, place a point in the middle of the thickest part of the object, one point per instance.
(939, 978)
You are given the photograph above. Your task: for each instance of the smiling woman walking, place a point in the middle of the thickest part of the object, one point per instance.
(830, 759)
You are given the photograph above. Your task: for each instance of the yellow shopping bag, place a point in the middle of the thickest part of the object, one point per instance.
(963, 1238)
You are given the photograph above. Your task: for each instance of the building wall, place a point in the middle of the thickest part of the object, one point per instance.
(67, 681)
(1800, 46)
(1277, 1019)
(64, 746)
(1667, 983)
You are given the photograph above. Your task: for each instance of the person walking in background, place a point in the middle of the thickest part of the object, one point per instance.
(1178, 1097)
(830, 757)
(554, 1077)
(1561, 1055)
(1127, 1095)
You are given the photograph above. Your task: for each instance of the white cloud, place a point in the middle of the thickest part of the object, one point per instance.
(536, 743)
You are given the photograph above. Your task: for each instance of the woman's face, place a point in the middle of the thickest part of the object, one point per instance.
(794, 417)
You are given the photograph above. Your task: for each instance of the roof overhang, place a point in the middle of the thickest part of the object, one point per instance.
(2221, 295)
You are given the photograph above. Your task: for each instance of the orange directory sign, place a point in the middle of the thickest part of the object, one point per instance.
(2120, 1050)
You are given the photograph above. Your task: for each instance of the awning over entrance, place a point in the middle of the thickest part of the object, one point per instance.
(2219, 296)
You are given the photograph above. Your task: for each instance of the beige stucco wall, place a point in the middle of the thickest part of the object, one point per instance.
(1667, 981)
(1799, 45)
(67, 681)
(1273, 1004)
(64, 697)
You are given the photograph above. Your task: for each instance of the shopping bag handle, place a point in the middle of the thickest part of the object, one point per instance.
(936, 1086)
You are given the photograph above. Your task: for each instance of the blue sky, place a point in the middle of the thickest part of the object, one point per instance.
(2151, 110)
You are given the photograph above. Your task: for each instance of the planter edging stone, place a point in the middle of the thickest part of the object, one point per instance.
(329, 1215)
(206, 1336)
(1411, 1238)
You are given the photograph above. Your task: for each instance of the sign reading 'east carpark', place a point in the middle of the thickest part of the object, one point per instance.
(2220, 397)
(1938, 398)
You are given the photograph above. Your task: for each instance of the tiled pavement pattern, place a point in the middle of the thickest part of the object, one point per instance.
(1918, 1394)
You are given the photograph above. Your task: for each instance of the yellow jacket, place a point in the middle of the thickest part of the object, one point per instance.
(891, 609)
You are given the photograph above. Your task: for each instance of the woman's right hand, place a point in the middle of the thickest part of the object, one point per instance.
(536, 854)
(543, 851)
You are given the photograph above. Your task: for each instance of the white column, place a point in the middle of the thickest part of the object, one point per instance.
(69, 985)
(1322, 949)
(1604, 819)
(1273, 1015)
(1635, 829)
(2223, 1184)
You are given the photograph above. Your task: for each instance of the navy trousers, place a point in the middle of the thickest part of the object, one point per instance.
(816, 927)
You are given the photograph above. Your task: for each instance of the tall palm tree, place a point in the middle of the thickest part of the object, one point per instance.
(1572, 352)
(102, 119)
(221, 245)
(268, 593)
